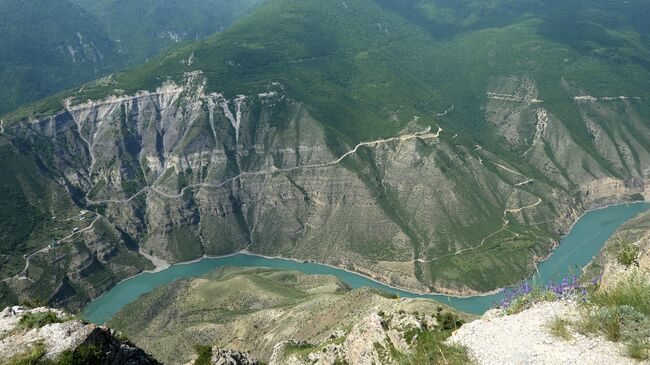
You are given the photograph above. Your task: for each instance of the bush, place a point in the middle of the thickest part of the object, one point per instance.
(448, 321)
(82, 355)
(628, 255)
(430, 348)
(38, 320)
(204, 354)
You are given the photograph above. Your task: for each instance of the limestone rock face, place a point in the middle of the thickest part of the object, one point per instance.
(231, 357)
(63, 335)
(180, 172)
(368, 342)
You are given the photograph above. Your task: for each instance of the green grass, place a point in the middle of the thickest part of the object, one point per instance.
(32, 356)
(204, 355)
(620, 313)
(628, 255)
(632, 292)
(638, 349)
(525, 301)
(430, 348)
(38, 320)
(559, 328)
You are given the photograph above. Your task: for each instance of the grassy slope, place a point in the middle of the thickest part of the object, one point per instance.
(35, 61)
(249, 309)
(143, 27)
(36, 37)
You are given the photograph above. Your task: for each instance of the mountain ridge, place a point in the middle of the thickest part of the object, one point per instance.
(523, 152)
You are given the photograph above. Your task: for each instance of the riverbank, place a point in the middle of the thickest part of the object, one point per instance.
(584, 242)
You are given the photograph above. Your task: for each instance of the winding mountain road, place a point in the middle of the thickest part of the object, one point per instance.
(426, 134)
(46, 249)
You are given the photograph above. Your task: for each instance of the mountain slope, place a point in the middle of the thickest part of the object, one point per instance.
(257, 309)
(49, 46)
(144, 28)
(360, 134)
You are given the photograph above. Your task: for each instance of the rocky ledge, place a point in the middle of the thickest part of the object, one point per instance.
(525, 338)
(44, 334)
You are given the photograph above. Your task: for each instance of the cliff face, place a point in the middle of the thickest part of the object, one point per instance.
(47, 334)
(178, 173)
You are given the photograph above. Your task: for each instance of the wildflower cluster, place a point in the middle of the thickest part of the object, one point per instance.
(523, 296)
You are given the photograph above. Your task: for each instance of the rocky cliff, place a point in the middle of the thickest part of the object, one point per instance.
(456, 178)
(179, 173)
(32, 336)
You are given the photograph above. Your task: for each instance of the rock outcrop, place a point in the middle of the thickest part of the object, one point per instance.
(50, 334)
(230, 357)
(524, 338)
(372, 340)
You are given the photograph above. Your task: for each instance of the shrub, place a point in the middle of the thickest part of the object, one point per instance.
(83, 354)
(430, 348)
(204, 354)
(620, 313)
(628, 255)
(38, 320)
(448, 321)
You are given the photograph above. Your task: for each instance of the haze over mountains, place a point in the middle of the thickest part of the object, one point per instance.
(49, 46)
(435, 145)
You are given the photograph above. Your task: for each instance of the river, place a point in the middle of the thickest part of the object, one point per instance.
(576, 250)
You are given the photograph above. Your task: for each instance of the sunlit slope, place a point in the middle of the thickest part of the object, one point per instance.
(302, 131)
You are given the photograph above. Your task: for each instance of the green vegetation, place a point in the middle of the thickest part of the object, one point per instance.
(428, 345)
(204, 355)
(621, 313)
(50, 46)
(430, 348)
(559, 328)
(32, 356)
(525, 301)
(638, 349)
(82, 355)
(365, 70)
(213, 308)
(38, 320)
(628, 255)
(147, 27)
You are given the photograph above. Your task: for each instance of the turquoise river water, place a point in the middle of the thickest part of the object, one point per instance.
(576, 250)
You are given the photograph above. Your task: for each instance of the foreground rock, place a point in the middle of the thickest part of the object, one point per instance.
(524, 338)
(231, 357)
(50, 334)
(373, 340)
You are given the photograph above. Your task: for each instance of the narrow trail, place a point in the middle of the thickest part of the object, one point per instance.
(426, 134)
(46, 249)
(445, 112)
(524, 182)
(505, 220)
(517, 210)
